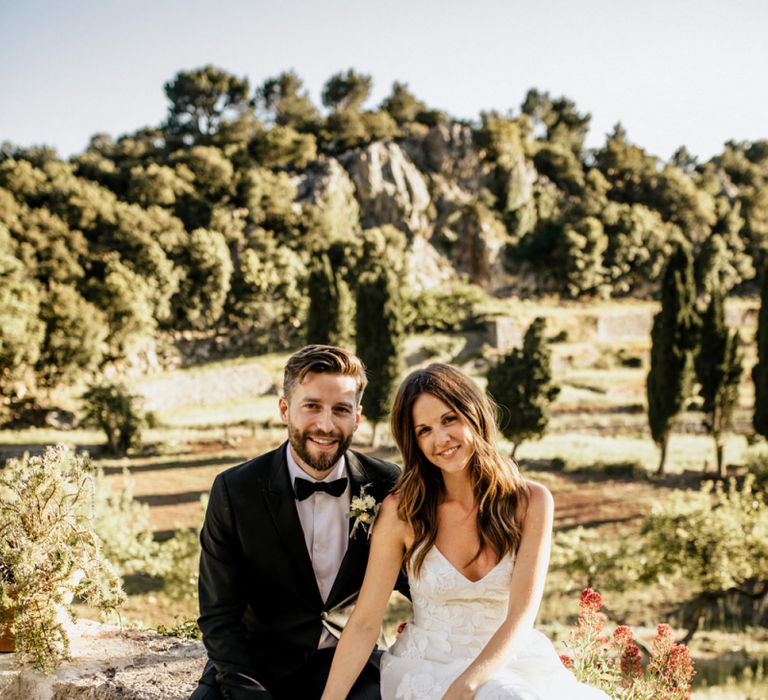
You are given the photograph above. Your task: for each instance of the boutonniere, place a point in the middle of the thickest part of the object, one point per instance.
(363, 509)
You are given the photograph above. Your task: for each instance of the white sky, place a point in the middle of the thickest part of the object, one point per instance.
(672, 71)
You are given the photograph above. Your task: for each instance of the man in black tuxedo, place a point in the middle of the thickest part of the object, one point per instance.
(280, 560)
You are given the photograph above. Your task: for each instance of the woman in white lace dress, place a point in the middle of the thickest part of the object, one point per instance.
(475, 537)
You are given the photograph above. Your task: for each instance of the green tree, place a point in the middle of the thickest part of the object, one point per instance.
(347, 91)
(402, 104)
(673, 341)
(330, 316)
(287, 103)
(718, 368)
(760, 370)
(521, 383)
(379, 338)
(203, 101)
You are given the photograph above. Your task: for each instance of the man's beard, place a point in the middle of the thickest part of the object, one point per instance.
(325, 461)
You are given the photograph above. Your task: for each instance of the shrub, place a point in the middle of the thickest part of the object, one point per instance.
(114, 410)
(440, 310)
(48, 549)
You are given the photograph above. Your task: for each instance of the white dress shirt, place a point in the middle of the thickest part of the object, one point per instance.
(326, 528)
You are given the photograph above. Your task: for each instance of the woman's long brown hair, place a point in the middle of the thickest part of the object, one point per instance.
(500, 491)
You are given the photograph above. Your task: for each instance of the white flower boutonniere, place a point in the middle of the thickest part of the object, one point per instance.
(363, 509)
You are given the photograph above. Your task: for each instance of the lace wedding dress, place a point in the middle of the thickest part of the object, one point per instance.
(453, 619)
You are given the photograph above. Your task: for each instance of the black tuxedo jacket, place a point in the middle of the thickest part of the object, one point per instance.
(261, 612)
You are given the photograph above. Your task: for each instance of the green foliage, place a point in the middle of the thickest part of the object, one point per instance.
(713, 539)
(156, 184)
(268, 291)
(75, 335)
(268, 198)
(347, 91)
(203, 101)
(125, 298)
(760, 370)
(21, 331)
(442, 309)
(581, 250)
(283, 146)
(402, 104)
(113, 409)
(125, 529)
(286, 102)
(559, 116)
(521, 383)
(673, 341)
(718, 366)
(379, 337)
(590, 559)
(330, 316)
(208, 276)
(49, 549)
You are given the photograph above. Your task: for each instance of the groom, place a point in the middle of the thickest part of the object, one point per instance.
(280, 561)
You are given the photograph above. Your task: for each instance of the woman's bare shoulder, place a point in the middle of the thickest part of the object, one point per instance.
(540, 501)
(389, 519)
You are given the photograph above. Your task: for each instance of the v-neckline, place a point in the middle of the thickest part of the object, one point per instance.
(458, 571)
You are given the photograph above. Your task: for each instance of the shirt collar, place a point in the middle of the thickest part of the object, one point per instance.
(294, 470)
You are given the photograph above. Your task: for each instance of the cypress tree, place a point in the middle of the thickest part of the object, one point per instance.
(328, 317)
(521, 383)
(379, 325)
(760, 370)
(718, 368)
(673, 340)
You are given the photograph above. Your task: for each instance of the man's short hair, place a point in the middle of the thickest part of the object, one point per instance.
(323, 358)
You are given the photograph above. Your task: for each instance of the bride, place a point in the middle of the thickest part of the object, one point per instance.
(475, 538)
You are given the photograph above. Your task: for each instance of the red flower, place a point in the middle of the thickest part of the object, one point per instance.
(401, 626)
(591, 600)
(567, 660)
(631, 663)
(622, 636)
(680, 666)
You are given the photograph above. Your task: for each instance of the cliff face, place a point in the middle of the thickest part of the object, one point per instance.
(428, 188)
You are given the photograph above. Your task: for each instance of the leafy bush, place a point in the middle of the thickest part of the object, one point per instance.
(716, 540)
(113, 409)
(440, 310)
(48, 549)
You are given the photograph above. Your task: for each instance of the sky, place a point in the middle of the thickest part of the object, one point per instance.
(673, 72)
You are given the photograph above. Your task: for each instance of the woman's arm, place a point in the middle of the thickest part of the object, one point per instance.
(527, 587)
(362, 629)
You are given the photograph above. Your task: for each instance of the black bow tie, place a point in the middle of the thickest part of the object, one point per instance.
(305, 488)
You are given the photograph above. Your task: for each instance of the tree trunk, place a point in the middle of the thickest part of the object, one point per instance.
(662, 461)
(514, 449)
(373, 433)
(719, 452)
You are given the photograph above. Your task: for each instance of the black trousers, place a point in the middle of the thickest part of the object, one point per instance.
(306, 683)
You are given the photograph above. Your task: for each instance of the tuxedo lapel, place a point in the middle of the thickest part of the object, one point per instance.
(357, 549)
(281, 503)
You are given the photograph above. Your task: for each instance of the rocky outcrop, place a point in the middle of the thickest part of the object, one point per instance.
(389, 187)
(108, 664)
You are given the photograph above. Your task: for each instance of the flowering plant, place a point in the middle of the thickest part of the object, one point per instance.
(363, 509)
(614, 664)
